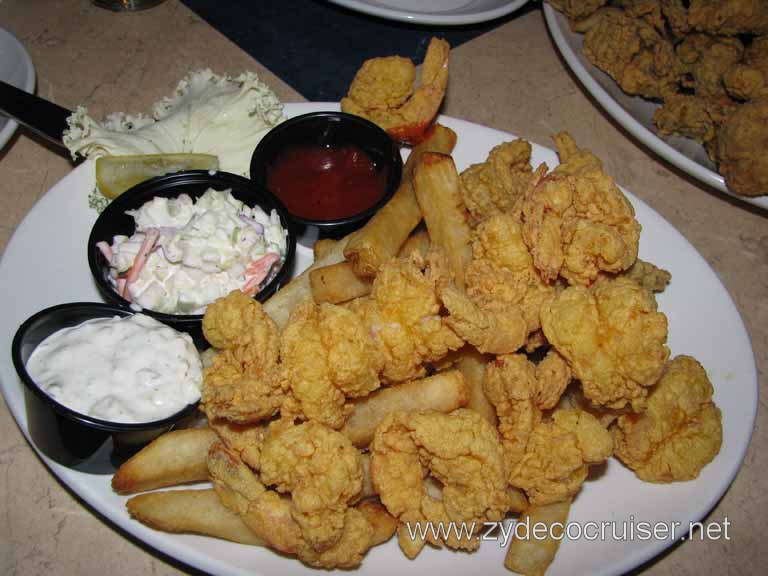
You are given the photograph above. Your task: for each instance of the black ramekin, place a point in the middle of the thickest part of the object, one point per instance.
(114, 220)
(68, 437)
(329, 129)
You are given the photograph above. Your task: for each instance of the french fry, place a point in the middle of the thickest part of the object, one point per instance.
(418, 241)
(337, 283)
(368, 490)
(472, 366)
(177, 457)
(444, 392)
(279, 306)
(437, 187)
(192, 512)
(323, 247)
(531, 556)
(385, 232)
(518, 502)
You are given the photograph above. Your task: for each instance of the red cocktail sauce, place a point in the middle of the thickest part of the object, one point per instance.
(320, 183)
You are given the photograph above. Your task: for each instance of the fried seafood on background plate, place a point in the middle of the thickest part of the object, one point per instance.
(729, 17)
(409, 446)
(613, 338)
(679, 433)
(577, 9)
(632, 52)
(749, 79)
(546, 457)
(741, 149)
(382, 91)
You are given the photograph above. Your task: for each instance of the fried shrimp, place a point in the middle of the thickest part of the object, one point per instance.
(271, 517)
(327, 356)
(547, 458)
(382, 91)
(679, 433)
(323, 472)
(241, 384)
(613, 337)
(403, 316)
(409, 446)
(577, 222)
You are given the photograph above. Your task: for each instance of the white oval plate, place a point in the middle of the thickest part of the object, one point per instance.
(15, 68)
(445, 12)
(635, 114)
(45, 264)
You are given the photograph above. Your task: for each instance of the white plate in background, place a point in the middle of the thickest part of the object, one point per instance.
(635, 114)
(45, 264)
(15, 68)
(445, 12)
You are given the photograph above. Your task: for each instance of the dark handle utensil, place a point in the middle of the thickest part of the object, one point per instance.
(44, 118)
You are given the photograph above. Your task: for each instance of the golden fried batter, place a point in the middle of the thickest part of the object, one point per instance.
(409, 446)
(382, 92)
(499, 184)
(270, 516)
(577, 9)
(612, 336)
(549, 458)
(679, 433)
(749, 79)
(649, 276)
(577, 222)
(632, 52)
(323, 472)
(741, 148)
(327, 356)
(402, 315)
(729, 17)
(242, 383)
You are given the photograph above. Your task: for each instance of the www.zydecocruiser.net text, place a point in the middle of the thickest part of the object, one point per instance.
(628, 530)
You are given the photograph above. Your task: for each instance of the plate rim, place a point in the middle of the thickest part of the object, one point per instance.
(168, 544)
(414, 17)
(30, 81)
(646, 137)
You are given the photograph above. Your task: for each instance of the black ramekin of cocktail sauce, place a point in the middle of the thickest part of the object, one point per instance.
(296, 161)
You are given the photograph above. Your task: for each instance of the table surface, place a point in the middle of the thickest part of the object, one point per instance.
(510, 78)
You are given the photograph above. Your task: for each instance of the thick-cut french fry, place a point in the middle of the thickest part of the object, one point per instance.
(192, 512)
(532, 556)
(384, 524)
(418, 241)
(322, 247)
(279, 306)
(368, 490)
(444, 392)
(472, 363)
(385, 232)
(337, 283)
(177, 457)
(438, 191)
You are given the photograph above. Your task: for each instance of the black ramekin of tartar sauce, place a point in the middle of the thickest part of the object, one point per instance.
(70, 438)
(114, 220)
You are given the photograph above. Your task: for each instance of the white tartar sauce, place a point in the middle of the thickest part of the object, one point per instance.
(185, 255)
(127, 370)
